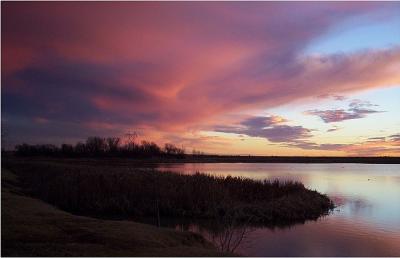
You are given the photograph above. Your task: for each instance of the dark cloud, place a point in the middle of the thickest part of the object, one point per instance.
(38, 131)
(65, 91)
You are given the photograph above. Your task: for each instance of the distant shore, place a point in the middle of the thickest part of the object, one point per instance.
(112, 148)
(188, 158)
(284, 159)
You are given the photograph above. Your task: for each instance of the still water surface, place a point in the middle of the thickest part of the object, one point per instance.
(366, 221)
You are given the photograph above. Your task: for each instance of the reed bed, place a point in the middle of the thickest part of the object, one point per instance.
(120, 192)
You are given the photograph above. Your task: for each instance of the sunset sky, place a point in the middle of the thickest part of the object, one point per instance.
(259, 78)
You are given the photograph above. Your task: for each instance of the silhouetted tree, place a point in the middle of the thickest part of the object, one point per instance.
(113, 144)
(171, 149)
(67, 149)
(150, 149)
(96, 145)
(80, 149)
(102, 147)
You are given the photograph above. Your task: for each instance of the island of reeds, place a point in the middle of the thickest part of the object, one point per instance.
(128, 192)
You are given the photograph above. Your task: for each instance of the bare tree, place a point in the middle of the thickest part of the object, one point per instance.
(131, 136)
(96, 145)
(130, 140)
(113, 144)
(233, 234)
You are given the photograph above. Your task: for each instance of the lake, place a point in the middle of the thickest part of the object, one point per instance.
(366, 221)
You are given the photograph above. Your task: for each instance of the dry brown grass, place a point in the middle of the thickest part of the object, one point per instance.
(31, 227)
(113, 191)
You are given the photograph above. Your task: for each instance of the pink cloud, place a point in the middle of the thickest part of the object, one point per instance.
(374, 146)
(174, 66)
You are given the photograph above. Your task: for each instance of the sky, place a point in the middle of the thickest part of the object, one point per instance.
(250, 78)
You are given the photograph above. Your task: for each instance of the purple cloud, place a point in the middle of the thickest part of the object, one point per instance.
(284, 133)
(259, 121)
(307, 145)
(269, 127)
(299, 137)
(377, 138)
(373, 146)
(357, 109)
(395, 138)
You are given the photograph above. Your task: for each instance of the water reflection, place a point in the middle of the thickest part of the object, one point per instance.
(365, 223)
(332, 236)
(227, 234)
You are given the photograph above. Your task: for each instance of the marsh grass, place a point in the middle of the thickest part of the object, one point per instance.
(120, 192)
(32, 228)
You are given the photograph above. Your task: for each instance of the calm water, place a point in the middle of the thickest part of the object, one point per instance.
(365, 223)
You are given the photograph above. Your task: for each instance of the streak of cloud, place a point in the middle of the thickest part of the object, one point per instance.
(373, 146)
(333, 129)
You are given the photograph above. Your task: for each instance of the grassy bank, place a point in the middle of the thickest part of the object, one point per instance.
(31, 227)
(117, 191)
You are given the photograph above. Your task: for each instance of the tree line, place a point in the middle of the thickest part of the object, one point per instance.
(102, 147)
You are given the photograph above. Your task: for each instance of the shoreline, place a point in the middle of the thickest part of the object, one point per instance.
(218, 159)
